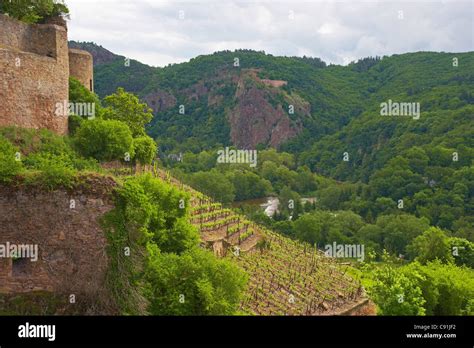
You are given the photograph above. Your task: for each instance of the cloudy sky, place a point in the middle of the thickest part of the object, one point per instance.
(160, 32)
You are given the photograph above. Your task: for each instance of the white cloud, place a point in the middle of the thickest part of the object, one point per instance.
(335, 31)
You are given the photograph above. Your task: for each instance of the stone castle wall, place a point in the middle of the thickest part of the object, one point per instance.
(34, 74)
(71, 244)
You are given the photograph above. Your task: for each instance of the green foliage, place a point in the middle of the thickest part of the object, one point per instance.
(55, 170)
(33, 11)
(32, 140)
(399, 230)
(104, 140)
(448, 289)
(32, 303)
(80, 94)
(433, 244)
(194, 283)
(462, 251)
(248, 185)
(126, 107)
(213, 184)
(397, 294)
(432, 289)
(10, 164)
(325, 227)
(74, 122)
(47, 159)
(145, 149)
(167, 217)
(164, 261)
(290, 203)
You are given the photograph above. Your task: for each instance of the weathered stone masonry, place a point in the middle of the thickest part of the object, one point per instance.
(65, 225)
(35, 65)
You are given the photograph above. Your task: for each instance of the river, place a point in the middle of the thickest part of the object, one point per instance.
(268, 204)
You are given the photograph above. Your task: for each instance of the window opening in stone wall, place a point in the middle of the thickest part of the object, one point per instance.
(21, 266)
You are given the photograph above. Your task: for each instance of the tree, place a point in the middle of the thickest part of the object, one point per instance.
(462, 251)
(166, 208)
(214, 184)
(126, 107)
(33, 11)
(104, 140)
(74, 122)
(313, 228)
(305, 182)
(290, 203)
(331, 197)
(385, 205)
(431, 245)
(348, 224)
(399, 231)
(417, 159)
(79, 94)
(396, 180)
(248, 185)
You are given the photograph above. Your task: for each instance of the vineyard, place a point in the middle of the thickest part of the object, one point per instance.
(286, 277)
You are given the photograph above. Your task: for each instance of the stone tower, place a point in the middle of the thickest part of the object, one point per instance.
(35, 65)
(81, 67)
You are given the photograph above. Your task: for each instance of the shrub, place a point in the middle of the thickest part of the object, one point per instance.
(145, 149)
(165, 261)
(74, 122)
(448, 289)
(9, 164)
(206, 285)
(395, 293)
(80, 94)
(54, 170)
(104, 140)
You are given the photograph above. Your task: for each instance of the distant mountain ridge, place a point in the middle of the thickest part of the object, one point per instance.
(100, 54)
(255, 100)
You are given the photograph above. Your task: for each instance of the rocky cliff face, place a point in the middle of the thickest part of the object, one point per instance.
(259, 116)
(160, 100)
(257, 110)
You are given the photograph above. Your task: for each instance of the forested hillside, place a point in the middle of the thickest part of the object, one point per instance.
(343, 171)
(336, 109)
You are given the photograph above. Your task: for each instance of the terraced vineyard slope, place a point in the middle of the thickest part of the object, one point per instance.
(286, 277)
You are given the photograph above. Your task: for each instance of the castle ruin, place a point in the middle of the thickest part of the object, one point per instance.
(35, 65)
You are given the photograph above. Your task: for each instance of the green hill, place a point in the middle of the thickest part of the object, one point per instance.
(336, 108)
